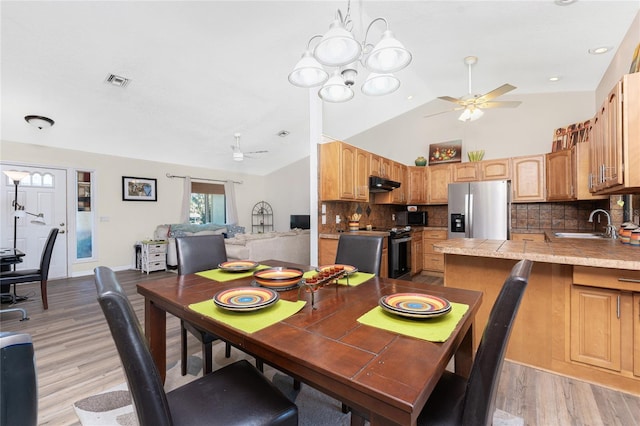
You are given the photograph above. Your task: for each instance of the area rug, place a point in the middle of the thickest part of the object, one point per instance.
(113, 407)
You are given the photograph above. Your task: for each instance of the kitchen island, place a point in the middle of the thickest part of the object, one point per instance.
(580, 315)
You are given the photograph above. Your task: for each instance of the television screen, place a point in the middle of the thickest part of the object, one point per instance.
(300, 221)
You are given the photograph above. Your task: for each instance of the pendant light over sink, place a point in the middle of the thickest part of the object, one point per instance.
(339, 51)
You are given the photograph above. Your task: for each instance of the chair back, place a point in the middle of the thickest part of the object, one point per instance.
(479, 400)
(200, 253)
(143, 378)
(18, 384)
(47, 252)
(363, 252)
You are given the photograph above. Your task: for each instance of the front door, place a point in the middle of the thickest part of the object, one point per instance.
(43, 191)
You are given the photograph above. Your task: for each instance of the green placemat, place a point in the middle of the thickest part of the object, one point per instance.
(354, 279)
(434, 330)
(221, 276)
(252, 321)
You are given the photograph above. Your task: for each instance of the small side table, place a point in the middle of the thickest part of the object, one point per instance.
(154, 256)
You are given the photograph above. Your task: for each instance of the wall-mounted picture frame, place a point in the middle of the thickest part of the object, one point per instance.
(139, 189)
(445, 152)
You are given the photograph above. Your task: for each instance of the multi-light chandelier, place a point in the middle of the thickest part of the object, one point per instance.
(339, 50)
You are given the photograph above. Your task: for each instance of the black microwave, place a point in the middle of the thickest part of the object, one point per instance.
(412, 219)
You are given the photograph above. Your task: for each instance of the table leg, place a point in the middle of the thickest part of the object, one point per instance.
(464, 355)
(155, 329)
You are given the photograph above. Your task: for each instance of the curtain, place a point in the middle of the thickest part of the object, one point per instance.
(186, 201)
(230, 198)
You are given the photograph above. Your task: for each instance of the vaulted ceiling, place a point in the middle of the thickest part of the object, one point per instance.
(201, 71)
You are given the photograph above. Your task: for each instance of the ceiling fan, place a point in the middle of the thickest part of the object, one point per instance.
(474, 104)
(238, 154)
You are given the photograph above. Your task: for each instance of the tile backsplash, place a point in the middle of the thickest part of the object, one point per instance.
(566, 215)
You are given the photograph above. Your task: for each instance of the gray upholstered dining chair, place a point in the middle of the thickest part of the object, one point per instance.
(363, 252)
(236, 394)
(18, 380)
(196, 254)
(28, 275)
(460, 401)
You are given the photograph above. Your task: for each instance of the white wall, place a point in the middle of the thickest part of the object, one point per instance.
(621, 61)
(128, 222)
(505, 132)
(288, 192)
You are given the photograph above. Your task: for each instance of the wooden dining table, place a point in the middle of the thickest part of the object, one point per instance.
(383, 376)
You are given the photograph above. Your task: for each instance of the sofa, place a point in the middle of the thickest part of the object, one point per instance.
(289, 246)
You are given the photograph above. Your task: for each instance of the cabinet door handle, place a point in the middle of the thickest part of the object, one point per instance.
(628, 280)
(618, 307)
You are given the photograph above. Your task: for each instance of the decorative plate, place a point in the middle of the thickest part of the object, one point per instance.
(348, 268)
(238, 265)
(279, 277)
(415, 305)
(245, 298)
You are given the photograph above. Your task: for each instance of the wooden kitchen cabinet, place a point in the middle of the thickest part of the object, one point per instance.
(398, 195)
(344, 172)
(379, 166)
(528, 178)
(433, 261)
(615, 165)
(605, 328)
(438, 179)
(465, 172)
(416, 179)
(495, 169)
(561, 180)
(595, 326)
(568, 174)
(417, 254)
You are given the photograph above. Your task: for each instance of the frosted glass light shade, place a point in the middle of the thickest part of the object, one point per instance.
(334, 90)
(15, 175)
(338, 46)
(308, 72)
(389, 55)
(471, 114)
(380, 84)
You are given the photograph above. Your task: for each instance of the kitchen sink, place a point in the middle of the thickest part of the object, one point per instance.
(588, 235)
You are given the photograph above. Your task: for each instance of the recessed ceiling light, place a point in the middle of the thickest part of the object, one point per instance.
(283, 133)
(599, 50)
(555, 78)
(564, 2)
(409, 97)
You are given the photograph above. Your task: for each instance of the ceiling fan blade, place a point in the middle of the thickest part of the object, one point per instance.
(450, 99)
(262, 151)
(443, 112)
(505, 88)
(499, 104)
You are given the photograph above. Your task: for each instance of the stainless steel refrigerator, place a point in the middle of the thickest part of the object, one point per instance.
(480, 210)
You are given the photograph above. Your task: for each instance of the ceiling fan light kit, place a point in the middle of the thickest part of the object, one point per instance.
(339, 49)
(39, 121)
(472, 105)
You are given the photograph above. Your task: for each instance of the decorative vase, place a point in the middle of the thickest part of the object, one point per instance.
(354, 225)
(475, 155)
(421, 161)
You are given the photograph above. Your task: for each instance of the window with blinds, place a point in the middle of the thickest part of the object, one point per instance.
(208, 203)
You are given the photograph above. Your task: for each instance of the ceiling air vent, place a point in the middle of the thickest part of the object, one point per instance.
(117, 80)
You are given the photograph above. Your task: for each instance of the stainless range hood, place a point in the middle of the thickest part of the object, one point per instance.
(378, 184)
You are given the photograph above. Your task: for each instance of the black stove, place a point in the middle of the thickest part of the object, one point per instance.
(400, 253)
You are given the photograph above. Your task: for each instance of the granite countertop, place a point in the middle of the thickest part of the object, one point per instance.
(604, 253)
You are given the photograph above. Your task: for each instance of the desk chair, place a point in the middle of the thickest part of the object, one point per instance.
(18, 384)
(196, 254)
(233, 395)
(460, 401)
(29, 275)
(363, 252)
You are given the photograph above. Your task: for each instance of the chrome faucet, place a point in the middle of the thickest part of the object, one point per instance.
(610, 230)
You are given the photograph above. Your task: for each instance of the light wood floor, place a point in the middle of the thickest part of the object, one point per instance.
(76, 357)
